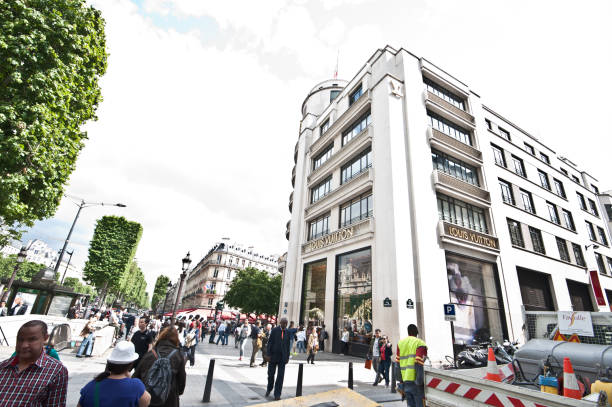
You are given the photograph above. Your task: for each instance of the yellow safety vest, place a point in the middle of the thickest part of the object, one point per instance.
(407, 356)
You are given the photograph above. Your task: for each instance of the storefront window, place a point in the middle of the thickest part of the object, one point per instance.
(313, 293)
(354, 299)
(474, 290)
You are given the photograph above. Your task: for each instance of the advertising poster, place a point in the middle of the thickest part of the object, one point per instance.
(23, 303)
(575, 322)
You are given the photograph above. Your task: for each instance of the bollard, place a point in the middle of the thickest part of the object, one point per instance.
(209, 379)
(298, 389)
(350, 378)
(393, 381)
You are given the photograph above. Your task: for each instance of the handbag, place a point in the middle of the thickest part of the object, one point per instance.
(368, 364)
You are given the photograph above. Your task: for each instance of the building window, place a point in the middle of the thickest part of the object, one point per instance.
(323, 157)
(320, 190)
(576, 179)
(461, 213)
(489, 124)
(504, 133)
(544, 158)
(360, 164)
(506, 191)
(600, 263)
(229, 274)
(333, 95)
(559, 188)
(536, 240)
(210, 301)
(444, 94)
(569, 220)
(609, 260)
(578, 255)
(498, 153)
(608, 211)
(516, 235)
(355, 95)
(318, 227)
(213, 286)
(519, 167)
(591, 231)
(544, 179)
(356, 209)
(593, 207)
(553, 213)
(602, 236)
(450, 129)
(215, 273)
(563, 170)
(535, 290)
(474, 289)
(563, 252)
(595, 189)
(581, 201)
(580, 296)
(527, 201)
(313, 292)
(529, 149)
(356, 128)
(454, 167)
(324, 127)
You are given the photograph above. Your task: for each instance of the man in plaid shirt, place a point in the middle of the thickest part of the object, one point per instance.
(31, 378)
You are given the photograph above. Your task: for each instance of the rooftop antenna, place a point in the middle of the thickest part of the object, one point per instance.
(337, 59)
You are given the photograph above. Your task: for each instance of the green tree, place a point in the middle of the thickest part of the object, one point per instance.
(52, 55)
(254, 291)
(159, 292)
(26, 271)
(111, 252)
(79, 287)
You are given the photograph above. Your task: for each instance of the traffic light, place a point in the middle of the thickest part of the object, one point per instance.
(220, 305)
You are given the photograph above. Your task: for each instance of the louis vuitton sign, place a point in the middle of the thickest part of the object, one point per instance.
(330, 239)
(471, 236)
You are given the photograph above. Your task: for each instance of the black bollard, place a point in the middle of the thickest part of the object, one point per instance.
(350, 379)
(298, 389)
(393, 381)
(209, 379)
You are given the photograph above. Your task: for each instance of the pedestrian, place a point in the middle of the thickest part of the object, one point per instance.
(114, 387)
(374, 352)
(256, 341)
(3, 309)
(313, 346)
(411, 353)
(345, 340)
(292, 330)
(167, 346)
(386, 352)
(236, 332)
(277, 355)
(228, 332)
(198, 329)
(87, 333)
(324, 337)
(142, 339)
(128, 320)
(221, 334)
(245, 331)
(264, 344)
(190, 345)
(32, 378)
(213, 328)
(204, 329)
(301, 339)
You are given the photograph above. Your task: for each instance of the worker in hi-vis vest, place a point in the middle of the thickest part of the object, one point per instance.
(411, 354)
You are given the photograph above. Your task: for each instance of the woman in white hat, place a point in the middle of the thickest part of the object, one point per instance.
(114, 387)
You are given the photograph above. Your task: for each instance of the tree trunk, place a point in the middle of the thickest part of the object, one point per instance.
(103, 296)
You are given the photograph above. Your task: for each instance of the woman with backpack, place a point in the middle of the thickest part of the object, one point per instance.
(114, 387)
(162, 370)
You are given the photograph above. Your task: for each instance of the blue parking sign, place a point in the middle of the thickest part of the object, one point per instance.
(449, 312)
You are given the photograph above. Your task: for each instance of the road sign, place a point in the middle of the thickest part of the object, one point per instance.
(386, 302)
(410, 304)
(449, 312)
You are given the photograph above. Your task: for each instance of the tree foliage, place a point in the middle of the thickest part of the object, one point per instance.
(52, 55)
(159, 292)
(79, 287)
(133, 286)
(111, 252)
(26, 271)
(254, 291)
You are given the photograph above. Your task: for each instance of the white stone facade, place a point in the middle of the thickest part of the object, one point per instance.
(430, 233)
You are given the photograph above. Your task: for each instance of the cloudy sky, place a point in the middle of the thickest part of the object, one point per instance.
(202, 102)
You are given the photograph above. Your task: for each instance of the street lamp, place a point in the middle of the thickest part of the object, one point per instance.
(23, 252)
(169, 286)
(82, 205)
(186, 262)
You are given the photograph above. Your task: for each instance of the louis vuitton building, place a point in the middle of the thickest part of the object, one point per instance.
(409, 193)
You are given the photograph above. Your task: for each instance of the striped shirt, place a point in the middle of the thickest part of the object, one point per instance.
(43, 383)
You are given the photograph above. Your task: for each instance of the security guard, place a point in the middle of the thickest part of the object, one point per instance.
(411, 354)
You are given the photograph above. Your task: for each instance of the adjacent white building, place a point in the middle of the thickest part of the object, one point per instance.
(410, 193)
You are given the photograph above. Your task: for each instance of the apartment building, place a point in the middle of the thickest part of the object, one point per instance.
(209, 280)
(409, 193)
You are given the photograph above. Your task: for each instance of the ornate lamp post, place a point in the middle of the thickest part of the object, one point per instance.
(186, 262)
(20, 259)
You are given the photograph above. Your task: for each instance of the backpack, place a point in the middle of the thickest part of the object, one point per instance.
(159, 378)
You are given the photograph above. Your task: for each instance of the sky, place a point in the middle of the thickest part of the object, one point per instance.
(202, 103)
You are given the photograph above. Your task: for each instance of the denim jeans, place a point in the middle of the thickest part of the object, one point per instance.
(383, 370)
(301, 348)
(414, 394)
(221, 337)
(243, 342)
(86, 346)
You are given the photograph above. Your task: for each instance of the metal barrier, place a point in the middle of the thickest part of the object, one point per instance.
(543, 325)
(60, 337)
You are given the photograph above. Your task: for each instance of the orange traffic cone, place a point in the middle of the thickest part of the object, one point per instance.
(492, 369)
(570, 384)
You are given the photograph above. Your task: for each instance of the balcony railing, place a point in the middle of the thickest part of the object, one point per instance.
(439, 137)
(451, 108)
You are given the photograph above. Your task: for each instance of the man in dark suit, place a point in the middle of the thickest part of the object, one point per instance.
(277, 353)
(18, 307)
